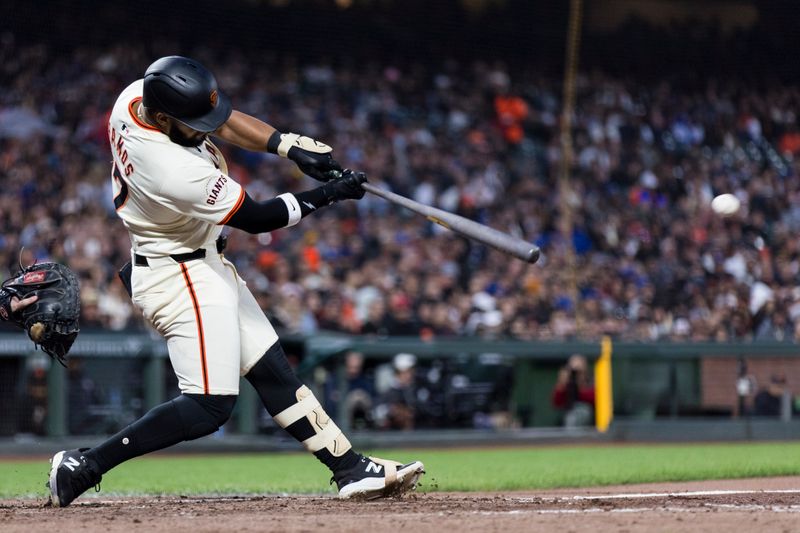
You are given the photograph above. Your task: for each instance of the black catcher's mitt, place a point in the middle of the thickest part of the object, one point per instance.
(52, 320)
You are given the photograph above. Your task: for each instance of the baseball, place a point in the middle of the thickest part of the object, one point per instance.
(37, 332)
(725, 204)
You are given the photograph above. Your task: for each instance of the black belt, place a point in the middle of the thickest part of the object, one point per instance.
(200, 253)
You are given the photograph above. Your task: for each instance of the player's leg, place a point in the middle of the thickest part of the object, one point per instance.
(187, 417)
(204, 353)
(294, 408)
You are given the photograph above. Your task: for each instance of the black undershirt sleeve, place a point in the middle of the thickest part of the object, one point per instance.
(262, 217)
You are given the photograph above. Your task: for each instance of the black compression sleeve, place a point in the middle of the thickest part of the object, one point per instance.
(262, 217)
(312, 200)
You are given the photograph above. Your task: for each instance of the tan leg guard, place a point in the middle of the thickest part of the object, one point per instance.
(328, 435)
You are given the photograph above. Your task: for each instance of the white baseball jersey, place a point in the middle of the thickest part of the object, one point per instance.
(175, 198)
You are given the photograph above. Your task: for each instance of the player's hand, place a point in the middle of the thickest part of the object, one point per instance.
(10, 304)
(314, 158)
(17, 304)
(346, 187)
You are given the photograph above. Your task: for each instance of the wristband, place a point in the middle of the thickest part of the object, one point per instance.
(273, 142)
(293, 208)
(280, 143)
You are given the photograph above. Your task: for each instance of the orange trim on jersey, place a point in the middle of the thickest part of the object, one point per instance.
(200, 334)
(123, 204)
(233, 209)
(136, 118)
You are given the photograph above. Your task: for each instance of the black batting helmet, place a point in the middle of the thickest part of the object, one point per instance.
(186, 91)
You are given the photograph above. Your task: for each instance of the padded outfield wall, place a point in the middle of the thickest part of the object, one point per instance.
(488, 390)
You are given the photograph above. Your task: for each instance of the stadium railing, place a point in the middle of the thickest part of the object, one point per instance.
(115, 377)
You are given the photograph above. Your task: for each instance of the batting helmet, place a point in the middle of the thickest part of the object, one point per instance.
(186, 91)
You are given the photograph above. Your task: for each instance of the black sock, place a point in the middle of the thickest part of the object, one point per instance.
(180, 419)
(346, 461)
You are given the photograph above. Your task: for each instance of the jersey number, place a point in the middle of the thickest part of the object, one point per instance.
(119, 200)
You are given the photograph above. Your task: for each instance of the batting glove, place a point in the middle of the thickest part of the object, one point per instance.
(312, 157)
(347, 186)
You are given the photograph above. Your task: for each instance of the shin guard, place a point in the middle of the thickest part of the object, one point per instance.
(327, 435)
(295, 409)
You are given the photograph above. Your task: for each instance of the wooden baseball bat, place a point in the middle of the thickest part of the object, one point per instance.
(469, 228)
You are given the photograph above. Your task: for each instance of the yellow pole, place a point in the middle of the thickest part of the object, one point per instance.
(603, 399)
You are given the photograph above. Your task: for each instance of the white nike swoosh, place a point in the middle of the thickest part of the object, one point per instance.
(309, 205)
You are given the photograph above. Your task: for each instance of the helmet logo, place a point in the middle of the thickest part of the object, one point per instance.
(214, 96)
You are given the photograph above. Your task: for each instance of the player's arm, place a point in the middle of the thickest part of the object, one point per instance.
(313, 157)
(287, 209)
(246, 132)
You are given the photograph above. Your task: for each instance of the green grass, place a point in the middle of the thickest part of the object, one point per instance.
(448, 470)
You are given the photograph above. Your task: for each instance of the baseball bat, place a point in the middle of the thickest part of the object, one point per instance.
(469, 228)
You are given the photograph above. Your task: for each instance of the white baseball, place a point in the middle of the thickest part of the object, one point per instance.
(725, 204)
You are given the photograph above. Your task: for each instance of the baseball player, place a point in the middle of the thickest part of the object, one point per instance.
(174, 195)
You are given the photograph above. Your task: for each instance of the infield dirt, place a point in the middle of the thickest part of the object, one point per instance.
(771, 504)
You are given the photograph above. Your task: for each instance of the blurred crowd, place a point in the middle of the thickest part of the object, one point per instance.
(404, 394)
(482, 139)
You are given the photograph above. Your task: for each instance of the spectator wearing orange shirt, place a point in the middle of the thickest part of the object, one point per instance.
(511, 110)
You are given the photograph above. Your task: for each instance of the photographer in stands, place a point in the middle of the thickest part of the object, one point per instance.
(574, 392)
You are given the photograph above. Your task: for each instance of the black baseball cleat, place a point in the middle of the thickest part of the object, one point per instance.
(374, 478)
(70, 476)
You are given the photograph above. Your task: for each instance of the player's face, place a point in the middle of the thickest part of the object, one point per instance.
(184, 135)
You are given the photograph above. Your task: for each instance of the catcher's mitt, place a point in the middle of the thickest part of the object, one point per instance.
(52, 320)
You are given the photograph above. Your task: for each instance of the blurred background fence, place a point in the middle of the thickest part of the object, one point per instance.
(461, 389)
